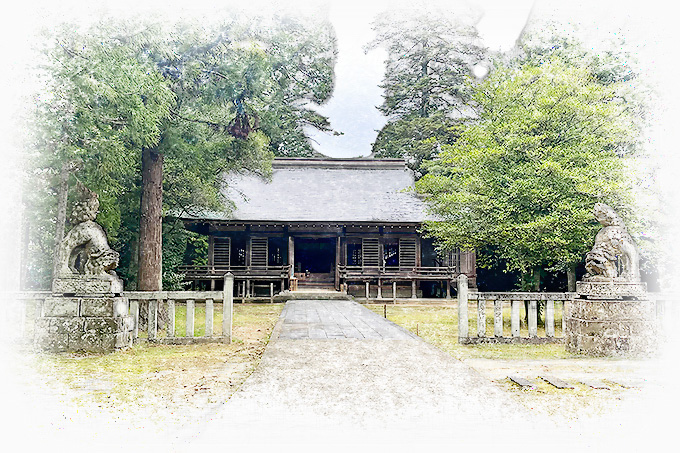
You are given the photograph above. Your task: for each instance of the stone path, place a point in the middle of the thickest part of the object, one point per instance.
(342, 319)
(336, 373)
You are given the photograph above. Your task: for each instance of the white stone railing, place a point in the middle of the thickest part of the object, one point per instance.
(18, 312)
(20, 309)
(509, 304)
(152, 303)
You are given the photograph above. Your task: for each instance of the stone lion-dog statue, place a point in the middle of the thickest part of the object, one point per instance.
(85, 249)
(612, 243)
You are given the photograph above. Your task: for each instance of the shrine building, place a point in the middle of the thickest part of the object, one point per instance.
(349, 225)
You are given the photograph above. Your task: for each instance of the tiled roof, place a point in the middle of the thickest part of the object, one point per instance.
(326, 190)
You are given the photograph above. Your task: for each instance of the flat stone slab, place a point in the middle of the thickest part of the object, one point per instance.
(595, 384)
(628, 383)
(336, 320)
(524, 383)
(557, 382)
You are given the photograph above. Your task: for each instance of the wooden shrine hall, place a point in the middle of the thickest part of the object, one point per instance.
(344, 224)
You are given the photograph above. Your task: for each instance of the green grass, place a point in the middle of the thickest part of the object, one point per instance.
(438, 325)
(169, 374)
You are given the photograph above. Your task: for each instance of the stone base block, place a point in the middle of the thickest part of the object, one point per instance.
(610, 327)
(611, 289)
(81, 285)
(87, 324)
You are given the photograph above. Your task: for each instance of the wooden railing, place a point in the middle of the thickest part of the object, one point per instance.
(396, 273)
(239, 272)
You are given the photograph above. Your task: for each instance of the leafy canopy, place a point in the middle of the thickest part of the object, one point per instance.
(431, 53)
(524, 177)
(211, 97)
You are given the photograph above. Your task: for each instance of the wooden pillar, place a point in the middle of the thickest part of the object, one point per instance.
(227, 305)
(394, 292)
(271, 293)
(419, 258)
(291, 255)
(337, 263)
(211, 251)
(462, 307)
(247, 288)
(212, 284)
(368, 289)
(249, 246)
(448, 289)
(414, 292)
(379, 289)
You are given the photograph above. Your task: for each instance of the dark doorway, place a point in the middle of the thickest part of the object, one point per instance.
(315, 255)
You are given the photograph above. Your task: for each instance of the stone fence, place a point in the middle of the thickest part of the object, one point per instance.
(170, 317)
(544, 315)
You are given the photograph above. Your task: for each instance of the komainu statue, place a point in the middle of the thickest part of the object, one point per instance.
(612, 244)
(85, 251)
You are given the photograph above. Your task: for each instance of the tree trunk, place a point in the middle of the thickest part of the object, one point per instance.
(150, 272)
(536, 279)
(571, 278)
(61, 214)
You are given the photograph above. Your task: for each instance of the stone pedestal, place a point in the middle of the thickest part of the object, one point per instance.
(84, 314)
(610, 318)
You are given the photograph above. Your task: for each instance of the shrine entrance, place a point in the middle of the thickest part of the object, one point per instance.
(315, 261)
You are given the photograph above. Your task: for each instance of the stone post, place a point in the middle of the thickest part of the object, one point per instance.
(514, 317)
(209, 310)
(228, 306)
(498, 318)
(462, 307)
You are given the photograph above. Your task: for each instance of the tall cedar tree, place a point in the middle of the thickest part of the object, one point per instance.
(430, 57)
(191, 100)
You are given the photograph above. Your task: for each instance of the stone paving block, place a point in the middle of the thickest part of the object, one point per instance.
(524, 383)
(557, 382)
(336, 320)
(595, 384)
(628, 383)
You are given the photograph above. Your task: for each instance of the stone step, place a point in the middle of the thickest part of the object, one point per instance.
(524, 383)
(311, 295)
(595, 384)
(557, 382)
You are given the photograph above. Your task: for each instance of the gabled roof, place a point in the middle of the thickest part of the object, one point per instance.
(325, 190)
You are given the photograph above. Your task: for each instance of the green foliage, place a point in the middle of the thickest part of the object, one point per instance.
(525, 176)
(209, 98)
(430, 56)
(416, 139)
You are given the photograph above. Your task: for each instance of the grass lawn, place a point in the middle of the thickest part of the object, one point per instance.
(438, 325)
(178, 378)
